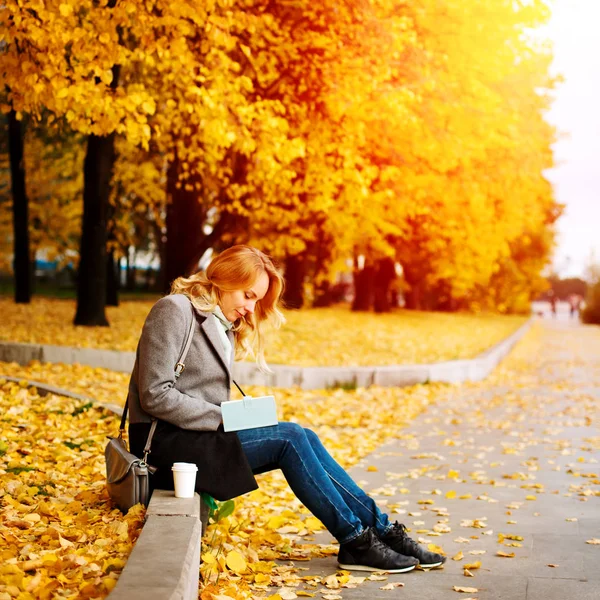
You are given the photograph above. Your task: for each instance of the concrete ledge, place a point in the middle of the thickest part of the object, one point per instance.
(308, 378)
(44, 389)
(165, 561)
(106, 359)
(164, 504)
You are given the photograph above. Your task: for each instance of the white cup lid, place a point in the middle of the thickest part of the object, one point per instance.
(184, 467)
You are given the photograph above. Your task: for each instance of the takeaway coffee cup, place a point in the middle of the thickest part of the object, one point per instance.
(184, 478)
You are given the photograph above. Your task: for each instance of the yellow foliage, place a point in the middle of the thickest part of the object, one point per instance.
(415, 131)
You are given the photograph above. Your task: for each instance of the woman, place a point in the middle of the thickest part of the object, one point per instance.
(239, 292)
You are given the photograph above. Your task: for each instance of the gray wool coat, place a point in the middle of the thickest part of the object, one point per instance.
(195, 401)
(189, 411)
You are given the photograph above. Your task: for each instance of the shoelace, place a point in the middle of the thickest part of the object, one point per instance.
(400, 529)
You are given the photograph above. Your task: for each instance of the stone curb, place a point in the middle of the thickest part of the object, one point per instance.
(165, 561)
(453, 371)
(44, 388)
(308, 378)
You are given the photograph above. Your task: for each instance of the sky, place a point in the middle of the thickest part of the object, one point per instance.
(573, 28)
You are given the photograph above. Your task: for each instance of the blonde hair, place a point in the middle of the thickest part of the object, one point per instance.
(234, 269)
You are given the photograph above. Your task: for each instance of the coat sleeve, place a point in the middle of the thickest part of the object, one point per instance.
(161, 343)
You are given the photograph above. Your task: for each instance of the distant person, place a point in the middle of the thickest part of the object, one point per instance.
(575, 304)
(552, 300)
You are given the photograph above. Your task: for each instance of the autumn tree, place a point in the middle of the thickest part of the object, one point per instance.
(65, 58)
(320, 132)
(471, 150)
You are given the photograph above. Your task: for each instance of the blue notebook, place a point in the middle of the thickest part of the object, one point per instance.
(249, 413)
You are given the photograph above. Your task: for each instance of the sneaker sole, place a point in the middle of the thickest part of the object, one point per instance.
(364, 568)
(431, 566)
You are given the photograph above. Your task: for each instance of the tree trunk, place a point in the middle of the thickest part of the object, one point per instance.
(112, 281)
(414, 295)
(185, 219)
(161, 247)
(295, 269)
(385, 274)
(323, 295)
(91, 279)
(322, 250)
(112, 274)
(363, 288)
(22, 263)
(186, 241)
(97, 174)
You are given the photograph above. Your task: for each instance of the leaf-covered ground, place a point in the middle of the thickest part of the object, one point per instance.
(322, 336)
(69, 471)
(544, 383)
(59, 538)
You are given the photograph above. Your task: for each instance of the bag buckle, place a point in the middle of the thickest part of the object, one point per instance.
(179, 368)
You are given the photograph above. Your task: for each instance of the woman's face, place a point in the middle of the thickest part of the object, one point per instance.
(238, 303)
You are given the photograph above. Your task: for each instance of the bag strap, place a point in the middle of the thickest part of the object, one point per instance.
(179, 367)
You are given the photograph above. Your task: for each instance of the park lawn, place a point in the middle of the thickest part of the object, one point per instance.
(312, 337)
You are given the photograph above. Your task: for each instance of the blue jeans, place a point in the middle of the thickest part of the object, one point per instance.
(319, 482)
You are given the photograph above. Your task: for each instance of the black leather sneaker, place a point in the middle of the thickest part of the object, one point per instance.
(368, 553)
(397, 539)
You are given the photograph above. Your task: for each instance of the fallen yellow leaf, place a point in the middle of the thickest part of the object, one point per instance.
(236, 562)
(435, 548)
(392, 585)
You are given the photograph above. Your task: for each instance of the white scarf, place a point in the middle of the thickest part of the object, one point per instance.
(226, 325)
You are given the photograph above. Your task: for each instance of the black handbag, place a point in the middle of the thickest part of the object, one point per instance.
(127, 476)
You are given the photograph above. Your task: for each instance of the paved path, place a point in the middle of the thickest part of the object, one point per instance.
(525, 450)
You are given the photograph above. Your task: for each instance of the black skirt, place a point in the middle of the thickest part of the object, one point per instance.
(223, 469)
